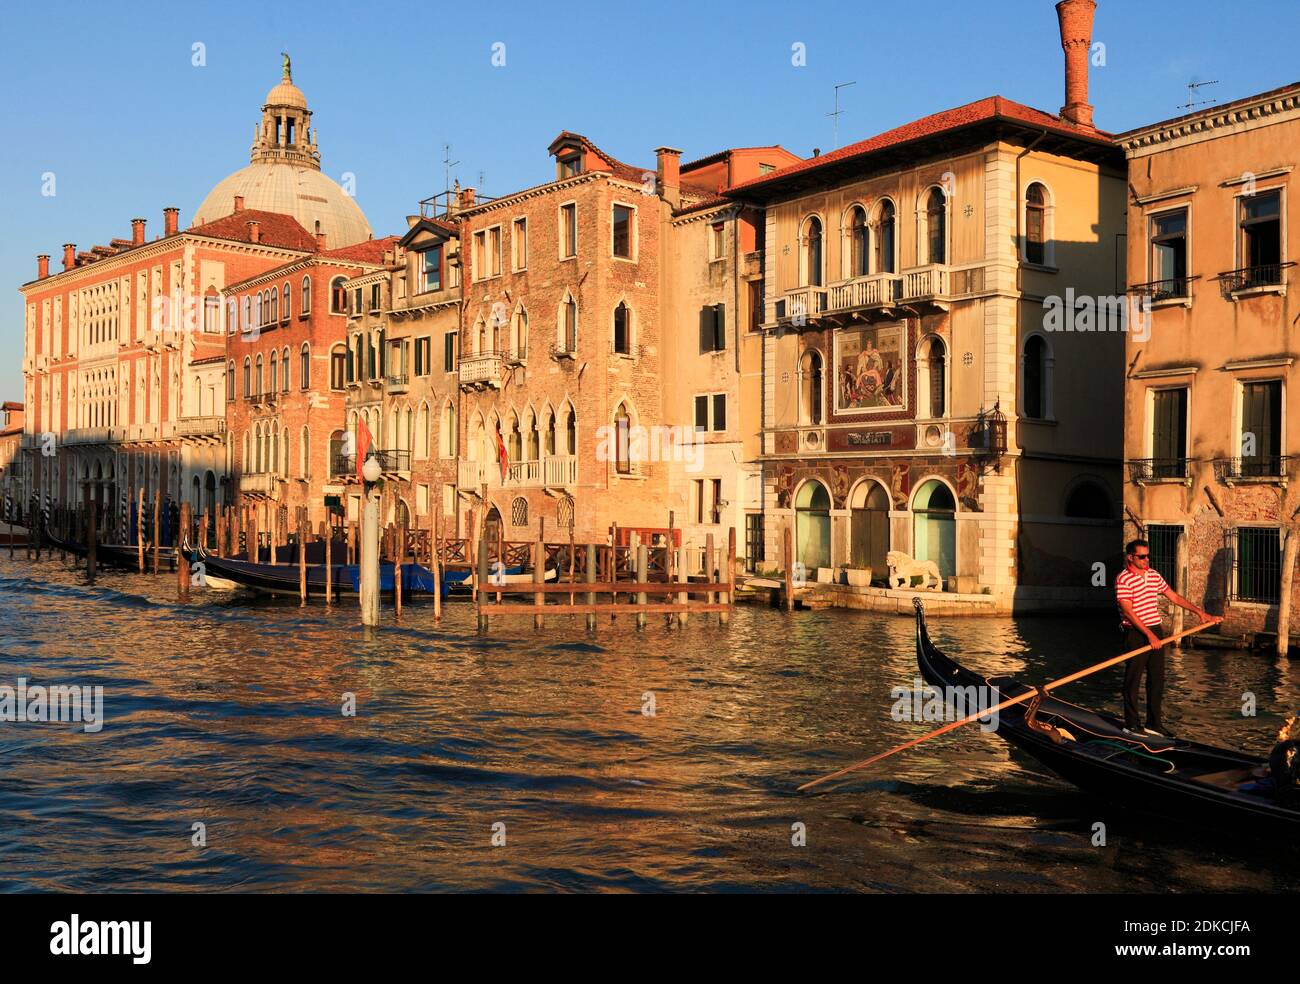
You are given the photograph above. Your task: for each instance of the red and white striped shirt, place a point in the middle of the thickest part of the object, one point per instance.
(1141, 590)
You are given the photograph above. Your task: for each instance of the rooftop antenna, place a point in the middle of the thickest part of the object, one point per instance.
(1192, 93)
(447, 165)
(838, 112)
(480, 181)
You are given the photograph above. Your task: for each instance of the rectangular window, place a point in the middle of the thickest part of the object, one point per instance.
(1164, 549)
(716, 504)
(338, 370)
(568, 230)
(753, 541)
(449, 351)
(717, 241)
(713, 328)
(480, 248)
(356, 301)
(1261, 428)
(374, 297)
(422, 352)
(431, 269)
(701, 414)
(1261, 238)
(1169, 254)
(1169, 433)
(494, 251)
(699, 500)
(1259, 564)
(519, 244)
(571, 166)
(623, 232)
(719, 411)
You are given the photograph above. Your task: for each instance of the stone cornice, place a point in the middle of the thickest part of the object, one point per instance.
(1245, 114)
(537, 191)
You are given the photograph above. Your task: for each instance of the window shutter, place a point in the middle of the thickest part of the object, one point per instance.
(719, 327)
(706, 328)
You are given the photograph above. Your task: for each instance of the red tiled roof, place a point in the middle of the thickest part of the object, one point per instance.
(11, 405)
(366, 251)
(274, 229)
(625, 171)
(219, 357)
(719, 155)
(990, 108)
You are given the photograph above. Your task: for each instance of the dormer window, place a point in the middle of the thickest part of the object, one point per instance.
(570, 166)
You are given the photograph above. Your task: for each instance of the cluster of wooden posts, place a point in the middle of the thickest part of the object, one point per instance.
(625, 576)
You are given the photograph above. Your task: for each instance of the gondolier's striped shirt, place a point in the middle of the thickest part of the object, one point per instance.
(1141, 591)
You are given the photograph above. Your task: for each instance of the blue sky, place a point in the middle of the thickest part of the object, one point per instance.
(106, 95)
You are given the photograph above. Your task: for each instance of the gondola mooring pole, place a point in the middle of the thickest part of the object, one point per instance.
(369, 574)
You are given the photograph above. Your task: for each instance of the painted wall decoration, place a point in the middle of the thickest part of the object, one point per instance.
(870, 369)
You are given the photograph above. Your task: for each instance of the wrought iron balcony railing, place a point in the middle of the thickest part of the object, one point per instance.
(1142, 470)
(1248, 278)
(1172, 288)
(1263, 467)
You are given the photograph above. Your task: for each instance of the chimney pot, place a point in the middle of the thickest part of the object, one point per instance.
(668, 174)
(69, 255)
(1076, 17)
(254, 231)
(42, 266)
(239, 203)
(137, 232)
(171, 220)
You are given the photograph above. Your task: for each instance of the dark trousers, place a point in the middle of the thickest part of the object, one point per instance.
(1152, 663)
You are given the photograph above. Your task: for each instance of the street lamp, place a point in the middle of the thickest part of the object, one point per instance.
(371, 471)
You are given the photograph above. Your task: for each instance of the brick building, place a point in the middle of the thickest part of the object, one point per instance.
(1208, 433)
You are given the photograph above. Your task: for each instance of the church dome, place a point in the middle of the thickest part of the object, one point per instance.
(284, 174)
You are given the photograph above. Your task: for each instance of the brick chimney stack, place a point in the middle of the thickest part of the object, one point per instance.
(171, 219)
(320, 242)
(254, 231)
(668, 174)
(137, 232)
(239, 203)
(1076, 39)
(465, 198)
(42, 266)
(69, 255)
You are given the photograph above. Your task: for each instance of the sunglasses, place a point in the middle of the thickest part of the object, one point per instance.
(1141, 556)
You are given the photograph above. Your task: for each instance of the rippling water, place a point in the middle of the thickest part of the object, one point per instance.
(227, 711)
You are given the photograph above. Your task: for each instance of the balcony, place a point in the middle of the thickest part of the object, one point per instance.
(800, 305)
(262, 483)
(473, 474)
(1267, 278)
(879, 290)
(1145, 471)
(1262, 469)
(394, 462)
(342, 465)
(927, 283)
(1169, 289)
(93, 435)
(482, 371)
(397, 382)
(201, 427)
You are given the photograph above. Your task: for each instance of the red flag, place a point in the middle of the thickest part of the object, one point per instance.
(364, 440)
(502, 455)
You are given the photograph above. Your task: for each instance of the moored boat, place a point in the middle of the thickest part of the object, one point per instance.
(1183, 780)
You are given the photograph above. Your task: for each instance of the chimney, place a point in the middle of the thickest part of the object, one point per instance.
(137, 232)
(320, 242)
(411, 220)
(42, 266)
(465, 198)
(171, 219)
(668, 174)
(69, 255)
(239, 203)
(1076, 39)
(254, 231)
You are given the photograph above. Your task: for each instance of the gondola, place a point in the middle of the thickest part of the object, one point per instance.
(283, 578)
(123, 556)
(1183, 780)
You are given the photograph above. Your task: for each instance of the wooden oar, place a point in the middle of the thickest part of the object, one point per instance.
(954, 725)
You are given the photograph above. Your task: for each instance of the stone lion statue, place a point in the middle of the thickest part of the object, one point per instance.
(903, 568)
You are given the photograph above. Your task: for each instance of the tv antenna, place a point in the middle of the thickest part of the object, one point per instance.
(447, 165)
(1193, 91)
(838, 112)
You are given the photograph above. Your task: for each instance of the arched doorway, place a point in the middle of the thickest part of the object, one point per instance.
(812, 528)
(934, 526)
(492, 528)
(869, 527)
(402, 515)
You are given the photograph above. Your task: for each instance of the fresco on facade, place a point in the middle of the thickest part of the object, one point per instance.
(870, 369)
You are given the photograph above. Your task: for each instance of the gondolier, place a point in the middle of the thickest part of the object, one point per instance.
(1137, 592)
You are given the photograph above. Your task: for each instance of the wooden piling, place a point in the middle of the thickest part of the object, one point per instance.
(1180, 584)
(182, 569)
(481, 584)
(725, 616)
(709, 567)
(139, 531)
(539, 570)
(684, 596)
(787, 561)
(435, 562)
(642, 574)
(302, 558)
(572, 560)
(591, 579)
(91, 536)
(275, 532)
(1284, 598)
(329, 566)
(157, 527)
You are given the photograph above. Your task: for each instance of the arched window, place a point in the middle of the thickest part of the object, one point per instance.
(931, 377)
(1036, 224)
(810, 388)
(273, 299)
(883, 247)
(284, 302)
(304, 454)
(810, 248)
(447, 436)
(519, 512)
(284, 452)
(1034, 400)
(230, 380)
(246, 462)
(571, 432)
(338, 297)
(550, 434)
(622, 329)
(248, 390)
(936, 226)
(275, 370)
(338, 367)
(514, 440)
(304, 366)
(532, 438)
(519, 333)
(856, 242)
(305, 306)
(1088, 500)
(257, 382)
(421, 446)
(569, 325)
(622, 440)
(284, 369)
